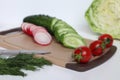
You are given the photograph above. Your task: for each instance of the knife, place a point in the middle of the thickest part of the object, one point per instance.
(8, 53)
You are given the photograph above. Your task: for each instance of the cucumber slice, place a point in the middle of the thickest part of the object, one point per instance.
(59, 32)
(60, 24)
(54, 21)
(72, 40)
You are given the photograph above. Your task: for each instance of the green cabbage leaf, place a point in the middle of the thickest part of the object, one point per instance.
(103, 16)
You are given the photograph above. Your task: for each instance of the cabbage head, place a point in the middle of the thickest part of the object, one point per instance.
(103, 16)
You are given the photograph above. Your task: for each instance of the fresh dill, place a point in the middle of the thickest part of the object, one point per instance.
(13, 66)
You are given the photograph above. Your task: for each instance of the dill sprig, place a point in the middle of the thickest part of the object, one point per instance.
(13, 66)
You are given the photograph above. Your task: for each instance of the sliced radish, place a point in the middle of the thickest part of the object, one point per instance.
(40, 34)
(38, 29)
(23, 27)
(42, 38)
(34, 27)
(26, 28)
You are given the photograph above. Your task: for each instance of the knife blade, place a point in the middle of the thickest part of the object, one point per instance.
(15, 52)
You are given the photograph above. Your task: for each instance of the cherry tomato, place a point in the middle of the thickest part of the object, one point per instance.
(107, 40)
(97, 47)
(82, 54)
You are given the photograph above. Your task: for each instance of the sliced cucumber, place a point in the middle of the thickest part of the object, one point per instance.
(72, 40)
(59, 32)
(54, 21)
(60, 24)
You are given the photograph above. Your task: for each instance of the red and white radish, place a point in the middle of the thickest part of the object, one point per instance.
(33, 29)
(40, 34)
(26, 28)
(42, 37)
(23, 27)
(38, 30)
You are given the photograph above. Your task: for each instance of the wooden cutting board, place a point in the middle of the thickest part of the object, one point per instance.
(15, 39)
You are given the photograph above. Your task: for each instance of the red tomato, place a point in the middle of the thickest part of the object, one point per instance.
(97, 47)
(82, 54)
(107, 40)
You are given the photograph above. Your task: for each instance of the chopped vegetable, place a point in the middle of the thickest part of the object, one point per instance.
(103, 17)
(42, 37)
(40, 34)
(58, 28)
(26, 28)
(13, 66)
(72, 40)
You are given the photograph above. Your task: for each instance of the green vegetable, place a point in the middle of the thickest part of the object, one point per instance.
(58, 28)
(72, 40)
(13, 66)
(103, 17)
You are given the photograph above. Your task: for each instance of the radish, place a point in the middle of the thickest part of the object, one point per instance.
(40, 34)
(23, 27)
(26, 28)
(38, 30)
(42, 37)
(33, 29)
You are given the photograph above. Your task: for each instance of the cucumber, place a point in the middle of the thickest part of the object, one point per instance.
(63, 32)
(61, 28)
(72, 40)
(40, 20)
(60, 24)
(53, 23)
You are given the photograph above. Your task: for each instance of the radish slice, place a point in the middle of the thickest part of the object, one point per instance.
(42, 38)
(23, 27)
(40, 34)
(38, 30)
(34, 27)
(26, 28)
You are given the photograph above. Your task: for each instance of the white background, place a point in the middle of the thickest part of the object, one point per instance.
(12, 13)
